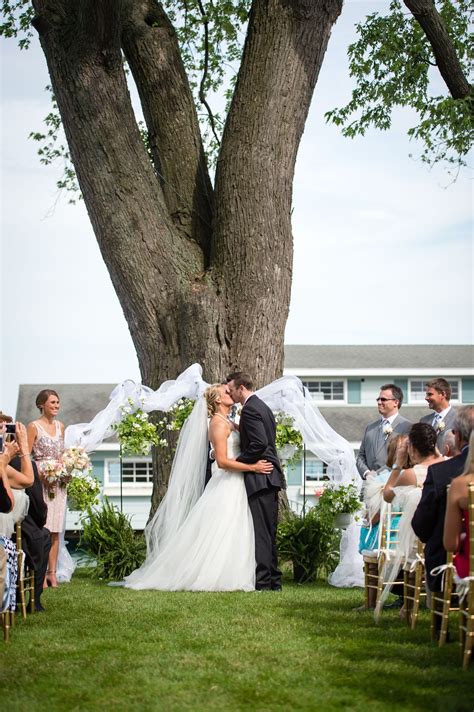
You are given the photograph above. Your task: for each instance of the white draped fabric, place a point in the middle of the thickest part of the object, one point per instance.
(187, 477)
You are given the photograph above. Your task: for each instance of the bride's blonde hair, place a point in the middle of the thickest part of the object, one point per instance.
(212, 394)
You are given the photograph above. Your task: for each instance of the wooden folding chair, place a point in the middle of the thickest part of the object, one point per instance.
(466, 617)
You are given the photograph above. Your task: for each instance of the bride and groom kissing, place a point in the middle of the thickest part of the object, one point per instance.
(221, 537)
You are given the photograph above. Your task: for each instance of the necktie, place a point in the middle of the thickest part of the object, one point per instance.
(436, 420)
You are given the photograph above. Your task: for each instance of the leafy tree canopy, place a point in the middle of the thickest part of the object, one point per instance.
(393, 65)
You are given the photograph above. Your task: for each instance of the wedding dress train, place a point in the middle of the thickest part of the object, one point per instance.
(214, 548)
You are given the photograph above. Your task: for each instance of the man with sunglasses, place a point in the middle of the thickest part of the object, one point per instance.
(373, 448)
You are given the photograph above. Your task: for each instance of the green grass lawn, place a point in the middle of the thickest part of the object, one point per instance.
(302, 649)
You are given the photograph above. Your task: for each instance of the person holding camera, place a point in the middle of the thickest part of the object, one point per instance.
(46, 442)
(13, 444)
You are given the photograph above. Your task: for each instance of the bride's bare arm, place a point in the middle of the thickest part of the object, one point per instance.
(219, 432)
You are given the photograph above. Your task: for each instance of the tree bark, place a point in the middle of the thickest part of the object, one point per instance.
(200, 277)
(426, 14)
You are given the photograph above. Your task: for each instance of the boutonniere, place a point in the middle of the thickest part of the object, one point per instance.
(388, 430)
(441, 426)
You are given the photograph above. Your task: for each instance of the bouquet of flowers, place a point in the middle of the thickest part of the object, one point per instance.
(288, 440)
(135, 432)
(83, 492)
(76, 459)
(53, 474)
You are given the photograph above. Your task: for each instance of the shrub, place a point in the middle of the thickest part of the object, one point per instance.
(310, 542)
(111, 540)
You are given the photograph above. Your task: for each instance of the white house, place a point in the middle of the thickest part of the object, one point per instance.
(343, 380)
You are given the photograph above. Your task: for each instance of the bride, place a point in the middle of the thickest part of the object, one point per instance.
(203, 540)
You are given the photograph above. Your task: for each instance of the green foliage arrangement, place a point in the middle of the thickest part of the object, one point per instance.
(310, 542)
(83, 492)
(287, 434)
(336, 500)
(135, 431)
(392, 62)
(110, 539)
(171, 422)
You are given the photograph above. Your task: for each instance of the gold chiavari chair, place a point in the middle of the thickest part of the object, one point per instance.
(389, 523)
(371, 579)
(26, 577)
(445, 601)
(466, 618)
(413, 585)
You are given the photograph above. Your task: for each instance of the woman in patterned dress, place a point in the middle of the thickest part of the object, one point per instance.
(46, 442)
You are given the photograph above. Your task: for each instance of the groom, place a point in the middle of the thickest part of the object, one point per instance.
(257, 440)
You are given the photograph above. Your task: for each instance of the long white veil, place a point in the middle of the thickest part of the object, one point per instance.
(189, 465)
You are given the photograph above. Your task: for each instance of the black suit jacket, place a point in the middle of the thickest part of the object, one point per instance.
(5, 502)
(428, 520)
(32, 527)
(257, 441)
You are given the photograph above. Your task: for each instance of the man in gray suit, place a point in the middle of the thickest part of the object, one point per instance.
(373, 449)
(438, 395)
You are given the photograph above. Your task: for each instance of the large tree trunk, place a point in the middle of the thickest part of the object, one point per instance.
(200, 276)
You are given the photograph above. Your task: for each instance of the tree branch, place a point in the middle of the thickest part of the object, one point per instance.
(426, 14)
(151, 47)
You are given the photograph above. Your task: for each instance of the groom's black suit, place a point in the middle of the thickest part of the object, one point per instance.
(257, 440)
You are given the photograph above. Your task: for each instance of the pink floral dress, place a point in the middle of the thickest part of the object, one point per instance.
(47, 447)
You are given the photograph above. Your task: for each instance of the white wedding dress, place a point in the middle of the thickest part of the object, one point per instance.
(214, 548)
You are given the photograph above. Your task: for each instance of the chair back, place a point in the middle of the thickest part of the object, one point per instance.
(470, 510)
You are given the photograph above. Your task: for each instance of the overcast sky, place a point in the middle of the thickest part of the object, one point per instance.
(383, 248)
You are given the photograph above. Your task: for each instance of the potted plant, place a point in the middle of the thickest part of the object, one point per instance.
(340, 503)
(288, 440)
(309, 541)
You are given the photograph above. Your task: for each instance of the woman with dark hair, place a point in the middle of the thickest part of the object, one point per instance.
(406, 483)
(46, 442)
(420, 447)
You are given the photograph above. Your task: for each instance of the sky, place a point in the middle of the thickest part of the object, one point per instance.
(383, 249)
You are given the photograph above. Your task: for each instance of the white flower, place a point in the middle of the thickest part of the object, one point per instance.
(441, 426)
(388, 430)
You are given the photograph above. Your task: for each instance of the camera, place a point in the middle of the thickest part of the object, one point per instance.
(10, 428)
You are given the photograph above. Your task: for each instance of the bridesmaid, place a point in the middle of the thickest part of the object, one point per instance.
(46, 442)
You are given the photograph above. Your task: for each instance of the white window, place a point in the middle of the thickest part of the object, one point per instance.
(417, 390)
(314, 470)
(134, 472)
(327, 391)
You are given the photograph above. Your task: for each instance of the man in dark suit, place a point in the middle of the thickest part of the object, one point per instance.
(36, 539)
(428, 520)
(373, 448)
(438, 395)
(257, 440)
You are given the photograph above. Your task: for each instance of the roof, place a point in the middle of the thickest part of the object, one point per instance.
(351, 421)
(80, 402)
(430, 357)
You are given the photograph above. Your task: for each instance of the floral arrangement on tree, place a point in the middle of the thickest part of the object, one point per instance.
(134, 431)
(342, 499)
(173, 420)
(53, 473)
(83, 489)
(287, 436)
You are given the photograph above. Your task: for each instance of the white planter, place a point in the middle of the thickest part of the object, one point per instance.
(343, 520)
(286, 452)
